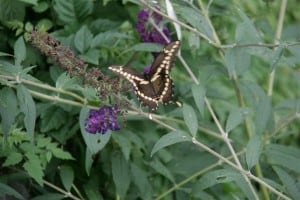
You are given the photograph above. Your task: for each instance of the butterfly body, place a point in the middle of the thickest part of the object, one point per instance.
(156, 85)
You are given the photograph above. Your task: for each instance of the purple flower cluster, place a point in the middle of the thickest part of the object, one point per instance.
(146, 30)
(102, 120)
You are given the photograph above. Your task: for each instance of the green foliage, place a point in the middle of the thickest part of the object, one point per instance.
(237, 76)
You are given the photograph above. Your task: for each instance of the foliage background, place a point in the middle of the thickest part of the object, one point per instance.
(236, 136)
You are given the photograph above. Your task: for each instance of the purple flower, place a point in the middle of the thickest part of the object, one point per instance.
(102, 120)
(146, 30)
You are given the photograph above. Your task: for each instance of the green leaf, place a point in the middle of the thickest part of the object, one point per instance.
(83, 39)
(95, 142)
(52, 118)
(11, 10)
(253, 150)
(33, 168)
(8, 109)
(161, 169)
(107, 39)
(148, 47)
(27, 106)
(19, 51)
(91, 56)
(289, 182)
(287, 157)
(277, 54)
(66, 176)
(120, 173)
(263, 115)
(88, 160)
(169, 139)
(49, 196)
(59, 153)
(245, 31)
(73, 11)
(7, 190)
(41, 7)
(190, 119)
(236, 117)
(64, 81)
(237, 61)
(199, 97)
(124, 143)
(32, 2)
(196, 19)
(44, 25)
(222, 176)
(141, 181)
(13, 158)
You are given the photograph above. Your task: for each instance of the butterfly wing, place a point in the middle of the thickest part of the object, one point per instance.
(142, 87)
(164, 61)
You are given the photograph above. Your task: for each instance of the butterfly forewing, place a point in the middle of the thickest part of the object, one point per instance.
(165, 58)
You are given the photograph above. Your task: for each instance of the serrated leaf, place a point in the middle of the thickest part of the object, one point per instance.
(190, 119)
(83, 39)
(263, 115)
(169, 139)
(19, 51)
(287, 157)
(141, 181)
(199, 97)
(7, 190)
(148, 47)
(8, 109)
(34, 169)
(237, 61)
(12, 159)
(196, 19)
(66, 176)
(124, 143)
(27, 106)
(245, 31)
(161, 169)
(253, 150)
(95, 142)
(120, 173)
(289, 182)
(236, 117)
(73, 11)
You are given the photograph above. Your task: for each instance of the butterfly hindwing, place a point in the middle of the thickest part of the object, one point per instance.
(155, 86)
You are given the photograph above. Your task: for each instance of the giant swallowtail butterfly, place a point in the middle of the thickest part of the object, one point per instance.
(156, 85)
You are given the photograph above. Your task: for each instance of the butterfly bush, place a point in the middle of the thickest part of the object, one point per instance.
(146, 30)
(98, 121)
(76, 67)
(102, 120)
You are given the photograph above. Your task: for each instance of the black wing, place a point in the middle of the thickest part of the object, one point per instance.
(165, 58)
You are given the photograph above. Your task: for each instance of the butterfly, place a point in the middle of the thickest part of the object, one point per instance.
(156, 85)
